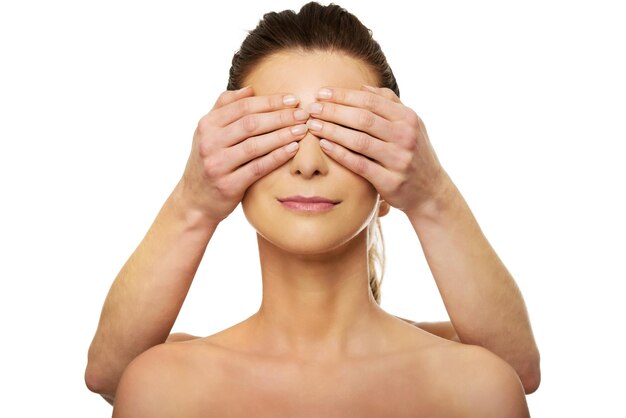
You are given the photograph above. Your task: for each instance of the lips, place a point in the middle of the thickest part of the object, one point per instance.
(313, 204)
(312, 199)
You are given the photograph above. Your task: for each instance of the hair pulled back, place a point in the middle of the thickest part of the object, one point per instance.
(320, 28)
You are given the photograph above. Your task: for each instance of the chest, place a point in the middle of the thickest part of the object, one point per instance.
(353, 389)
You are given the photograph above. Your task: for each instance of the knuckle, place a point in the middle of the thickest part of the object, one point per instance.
(397, 182)
(249, 123)
(275, 102)
(242, 107)
(285, 117)
(250, 147)
(371, 102)
(405, 163)
(410, 143)
(257, 168)
(284, 135)
(362, 142)
(224, 187)
(366, 119)
(413, 118)
(406, 133)
(339, 95)
(204, 149)
(203, 125)
(204, 141)
(279, 157)
(329, 109)
(209, 168)
(360, 165)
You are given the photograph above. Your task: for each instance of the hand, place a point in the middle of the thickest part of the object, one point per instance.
(370, 132)
(240, 140)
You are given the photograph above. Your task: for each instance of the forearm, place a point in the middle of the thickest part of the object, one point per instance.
(147, 295)
(482, 299)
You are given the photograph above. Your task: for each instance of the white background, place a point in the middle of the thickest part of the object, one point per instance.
(524, 103)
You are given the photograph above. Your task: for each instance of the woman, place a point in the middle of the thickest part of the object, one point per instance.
(319, 345)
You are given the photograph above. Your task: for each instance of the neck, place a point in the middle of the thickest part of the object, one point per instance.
(316, 304)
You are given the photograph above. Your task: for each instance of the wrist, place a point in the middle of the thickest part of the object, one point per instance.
(188, 212)
(443, 199)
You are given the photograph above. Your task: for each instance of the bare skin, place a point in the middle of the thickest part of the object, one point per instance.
(146, 296)
(404, 373)
(320, 345)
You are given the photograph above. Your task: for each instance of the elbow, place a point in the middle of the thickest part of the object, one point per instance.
(531, 374)
(92, 380)
(100, 376)
(97, 383)
(531, 382)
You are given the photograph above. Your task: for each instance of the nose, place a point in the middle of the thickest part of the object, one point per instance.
(309, 159)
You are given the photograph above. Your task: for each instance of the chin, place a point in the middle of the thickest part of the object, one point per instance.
(307, 235)
(318, 242)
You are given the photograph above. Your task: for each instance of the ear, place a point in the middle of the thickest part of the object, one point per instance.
(383, 208)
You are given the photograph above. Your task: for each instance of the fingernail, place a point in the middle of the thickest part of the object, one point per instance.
(290, 100)
(300, 114)
(241, 90)
(316, 108)
(326, 144)
(298, 129)
(314, 125)
(291, 147)
(324, 93)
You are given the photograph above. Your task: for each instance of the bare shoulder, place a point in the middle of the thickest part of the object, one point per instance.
(460, 380)
(162, 382)
(479, 382)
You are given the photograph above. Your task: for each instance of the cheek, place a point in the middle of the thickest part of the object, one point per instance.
(262, 186)
(360, 186)
(259, 201)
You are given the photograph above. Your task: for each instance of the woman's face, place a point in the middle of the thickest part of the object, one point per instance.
(310, 172)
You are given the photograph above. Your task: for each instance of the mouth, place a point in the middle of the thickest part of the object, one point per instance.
(309, 204)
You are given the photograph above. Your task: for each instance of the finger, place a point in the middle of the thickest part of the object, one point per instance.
(364, 167)
(383, 91)
(260, 167)
(257, 146)
(259, 123)
(230, 96)
(353, 117)
(357, 141)
(249, 105)
(374, 101)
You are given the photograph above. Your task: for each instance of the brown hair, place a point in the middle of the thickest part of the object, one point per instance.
(320, 28)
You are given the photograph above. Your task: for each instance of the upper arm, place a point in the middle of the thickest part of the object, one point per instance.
(442, 329)
(145, 388)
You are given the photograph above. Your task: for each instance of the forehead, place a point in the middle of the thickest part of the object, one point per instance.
(303, 73)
